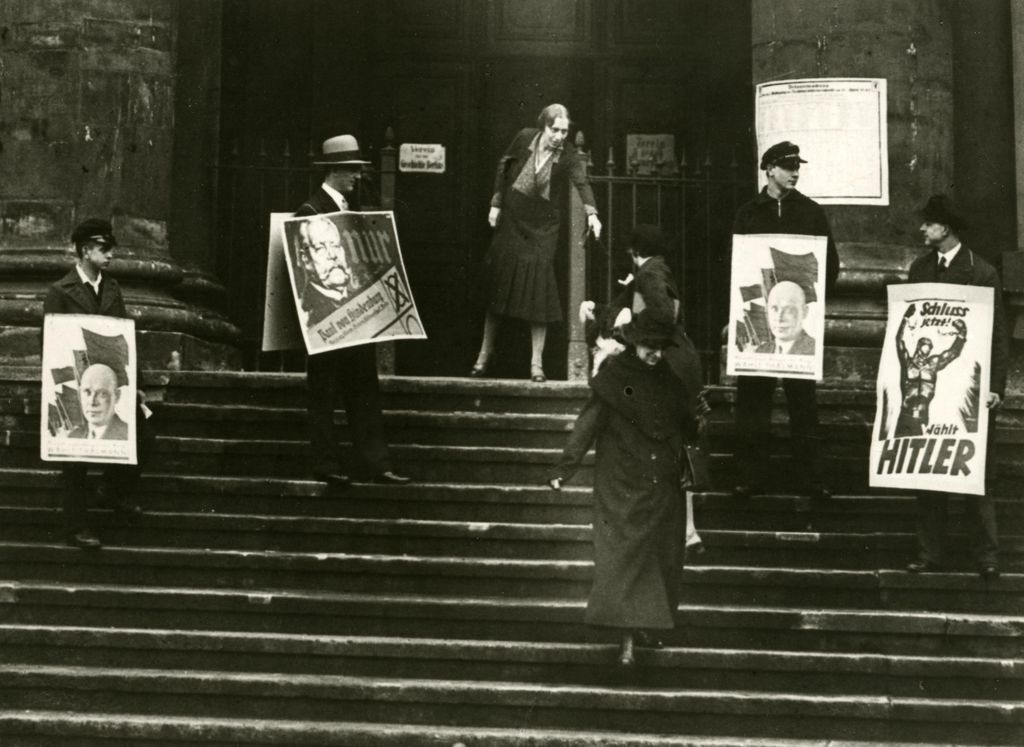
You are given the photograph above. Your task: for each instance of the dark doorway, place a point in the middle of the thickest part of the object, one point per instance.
(467, 75)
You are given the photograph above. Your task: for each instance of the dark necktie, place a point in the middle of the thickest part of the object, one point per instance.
(942, 265)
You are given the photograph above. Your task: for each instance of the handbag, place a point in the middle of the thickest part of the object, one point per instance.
(697, 473)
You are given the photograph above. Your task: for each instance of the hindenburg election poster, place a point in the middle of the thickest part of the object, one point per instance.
(348, 280)
(931, 422)
(88, 389)
(777, 306)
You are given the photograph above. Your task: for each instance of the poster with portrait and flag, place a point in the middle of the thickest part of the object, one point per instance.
(931, 418)
(777, 306)
(348, 280)
(89, 389)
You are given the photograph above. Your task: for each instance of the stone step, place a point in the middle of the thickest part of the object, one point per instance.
(508, 704)
(277, 458)
(530, 430)
(835, 550)
(490, 503)
(41, 728)
(313, 612)
(440, 463)
(502, 577)
(525, 661)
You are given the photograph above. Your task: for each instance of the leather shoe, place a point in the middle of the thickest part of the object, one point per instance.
(387, 477)
(84, 540)
(988, 571)
(923, 566)
(333, 478)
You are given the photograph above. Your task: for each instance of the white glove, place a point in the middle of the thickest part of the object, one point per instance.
(625, 317)
(587, 311)
(595, 225)
(492, 216)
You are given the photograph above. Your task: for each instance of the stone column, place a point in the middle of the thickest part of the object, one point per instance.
(909, 43)
(87, 124)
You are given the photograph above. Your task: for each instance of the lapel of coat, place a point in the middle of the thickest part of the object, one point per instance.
(107, 296)
(960, 269)
(77, 292)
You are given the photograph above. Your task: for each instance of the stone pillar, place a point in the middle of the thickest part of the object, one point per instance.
(87, 106)
(909, 43)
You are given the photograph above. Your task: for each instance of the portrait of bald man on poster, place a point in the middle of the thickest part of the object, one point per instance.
(777, 306)
(89, 389)
(347, 279)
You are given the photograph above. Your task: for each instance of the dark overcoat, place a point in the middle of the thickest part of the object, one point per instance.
(968, 268)
(70, 295)
(638, 415)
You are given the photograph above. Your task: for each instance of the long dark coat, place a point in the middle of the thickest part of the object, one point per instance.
(638, 416)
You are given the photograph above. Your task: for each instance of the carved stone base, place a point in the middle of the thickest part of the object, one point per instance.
(157, 350)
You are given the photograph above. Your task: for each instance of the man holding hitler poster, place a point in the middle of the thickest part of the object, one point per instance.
(949, 261)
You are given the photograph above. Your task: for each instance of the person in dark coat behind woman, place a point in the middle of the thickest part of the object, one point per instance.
(640, 418)
(518, 276)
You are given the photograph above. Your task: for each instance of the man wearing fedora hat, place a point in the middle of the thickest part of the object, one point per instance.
(349, 374)
(781, 208)
(949, 261)
(86, 289)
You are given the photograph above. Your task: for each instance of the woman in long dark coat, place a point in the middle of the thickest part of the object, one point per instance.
(641, 417)
(532, 181)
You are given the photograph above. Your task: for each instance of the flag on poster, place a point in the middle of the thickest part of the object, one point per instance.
(777, 306)
(88, 389)
(348, 280)
(931, 421)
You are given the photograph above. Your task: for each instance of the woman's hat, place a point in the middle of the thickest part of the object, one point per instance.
(648, 331)
(341, 150)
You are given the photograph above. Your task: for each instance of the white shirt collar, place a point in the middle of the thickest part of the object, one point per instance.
(948, 256)
(784, 347)
(99, 431)
(338, 197)
(640, 261)
(85, 279)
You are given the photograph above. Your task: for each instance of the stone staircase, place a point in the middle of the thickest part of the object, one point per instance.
(251, 606)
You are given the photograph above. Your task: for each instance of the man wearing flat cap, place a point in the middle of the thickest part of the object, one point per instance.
(349, 374)
(781, 208)
(949, 261)
(87, 290)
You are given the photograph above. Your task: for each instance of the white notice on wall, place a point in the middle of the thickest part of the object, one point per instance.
(422, 158)
(840, 126)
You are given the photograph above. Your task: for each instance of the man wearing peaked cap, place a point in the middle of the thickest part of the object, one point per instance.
(349, 374)
(86, 289)
(949, 261)
(781, 208)
(785, 153)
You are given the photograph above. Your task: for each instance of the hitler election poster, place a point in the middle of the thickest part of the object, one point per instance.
(931, 420)
(777, 306)
(88, 389)
(348, 281)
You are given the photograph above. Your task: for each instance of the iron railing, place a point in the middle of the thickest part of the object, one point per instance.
(694, 204)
